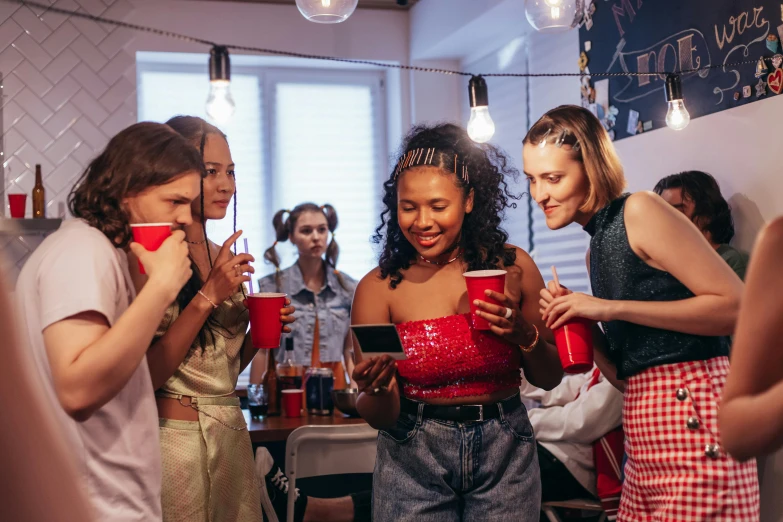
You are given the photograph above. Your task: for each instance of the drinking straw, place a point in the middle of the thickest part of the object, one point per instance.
(247, 251)
(554, 274)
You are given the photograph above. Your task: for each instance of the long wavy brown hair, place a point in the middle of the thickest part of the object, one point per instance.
(143, 156)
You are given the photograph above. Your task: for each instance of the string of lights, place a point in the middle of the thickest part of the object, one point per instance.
(220, 104)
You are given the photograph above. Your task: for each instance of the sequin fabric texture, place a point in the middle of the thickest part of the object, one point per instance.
(448, 358)
(617, 273)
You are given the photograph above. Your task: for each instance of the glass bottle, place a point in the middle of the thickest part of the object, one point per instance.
(269, 380)
(39, 195)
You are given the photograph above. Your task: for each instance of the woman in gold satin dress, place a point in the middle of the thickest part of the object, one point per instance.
(199, 351)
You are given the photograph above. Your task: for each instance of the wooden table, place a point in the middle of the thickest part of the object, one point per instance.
(277, 429)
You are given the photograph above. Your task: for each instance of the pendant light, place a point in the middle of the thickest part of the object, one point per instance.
(220, 104)
(677, 117)
(552, 16)
(481, 128)
(326, 11)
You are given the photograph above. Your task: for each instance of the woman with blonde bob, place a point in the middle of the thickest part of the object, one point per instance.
(665, 300)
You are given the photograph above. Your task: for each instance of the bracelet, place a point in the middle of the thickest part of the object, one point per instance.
(214, 306)
(531, 346)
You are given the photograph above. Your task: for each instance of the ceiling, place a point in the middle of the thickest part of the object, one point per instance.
(363, 4)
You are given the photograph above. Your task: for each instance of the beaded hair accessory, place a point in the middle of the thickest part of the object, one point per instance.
(419, 157)
(560, 140)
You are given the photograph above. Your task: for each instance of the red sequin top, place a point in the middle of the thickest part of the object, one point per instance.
(447, 358)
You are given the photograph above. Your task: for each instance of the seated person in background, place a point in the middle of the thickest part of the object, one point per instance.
(697, 195)
(572, 416)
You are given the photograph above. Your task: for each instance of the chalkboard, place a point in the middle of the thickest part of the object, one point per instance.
(666, 35)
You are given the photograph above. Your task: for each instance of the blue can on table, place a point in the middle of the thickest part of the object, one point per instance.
(319, 383)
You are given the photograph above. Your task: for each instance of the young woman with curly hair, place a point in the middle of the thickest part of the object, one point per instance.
(455, 442)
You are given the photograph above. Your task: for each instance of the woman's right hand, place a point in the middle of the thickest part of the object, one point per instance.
(228, 272)
(374, 375)
(549, 294)
(168, 267)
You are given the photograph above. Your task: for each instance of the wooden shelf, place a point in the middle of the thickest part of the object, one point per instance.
(28, 226)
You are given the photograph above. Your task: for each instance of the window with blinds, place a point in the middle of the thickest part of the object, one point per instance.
(326, 147)
(298, 134)
(508, 108)
(167, 90)
(565, 249)
(512, 111)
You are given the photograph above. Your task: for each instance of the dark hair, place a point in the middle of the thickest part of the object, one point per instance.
(139, 157)
(483, 240)
(711, 213)
(284, 229)
(195, 130)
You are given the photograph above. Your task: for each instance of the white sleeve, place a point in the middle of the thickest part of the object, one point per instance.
(592, 415)
(563, 393)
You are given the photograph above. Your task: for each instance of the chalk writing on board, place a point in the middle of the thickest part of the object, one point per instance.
(730, 56)
(688, 34)
(683, 50)
(740, 24)
(624, 8)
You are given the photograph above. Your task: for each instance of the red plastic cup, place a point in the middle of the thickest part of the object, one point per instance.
(575, 345)
(292, 403)
(478, 281)
(150, 236)
(265, 323)
(17, 202)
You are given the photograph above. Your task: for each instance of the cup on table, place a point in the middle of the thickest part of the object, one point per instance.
(292, 403)
(256, 400)
(574, 342)
(477, 282)
(265, 323)
(150, 236)
(17, 204)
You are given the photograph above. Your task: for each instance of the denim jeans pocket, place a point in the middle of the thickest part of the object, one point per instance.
(404, 429)
(518, 424)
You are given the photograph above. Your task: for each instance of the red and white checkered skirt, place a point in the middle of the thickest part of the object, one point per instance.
(676, 470)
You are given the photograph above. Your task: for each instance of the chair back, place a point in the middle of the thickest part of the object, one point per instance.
(312, 451)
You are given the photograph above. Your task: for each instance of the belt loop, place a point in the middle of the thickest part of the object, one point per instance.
(420, 414)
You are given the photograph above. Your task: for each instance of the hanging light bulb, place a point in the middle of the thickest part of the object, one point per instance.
(481, 128)
(551, 16)
(220, 104)
(677, 116)
(326, 11)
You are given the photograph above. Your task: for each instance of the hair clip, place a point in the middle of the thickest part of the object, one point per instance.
(576, 147)
(561, 138)
(422, 156)
(542, 143)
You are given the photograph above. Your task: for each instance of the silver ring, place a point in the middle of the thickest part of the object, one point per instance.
(508, 313)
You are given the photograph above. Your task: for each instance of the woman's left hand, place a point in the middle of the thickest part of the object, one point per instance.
(564, 308)
(286, 315)
(514, 328)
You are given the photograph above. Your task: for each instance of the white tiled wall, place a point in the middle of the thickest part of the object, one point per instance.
(68, 86)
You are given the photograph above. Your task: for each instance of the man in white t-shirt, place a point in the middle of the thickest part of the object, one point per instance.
(89, 332)
(571, 417)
